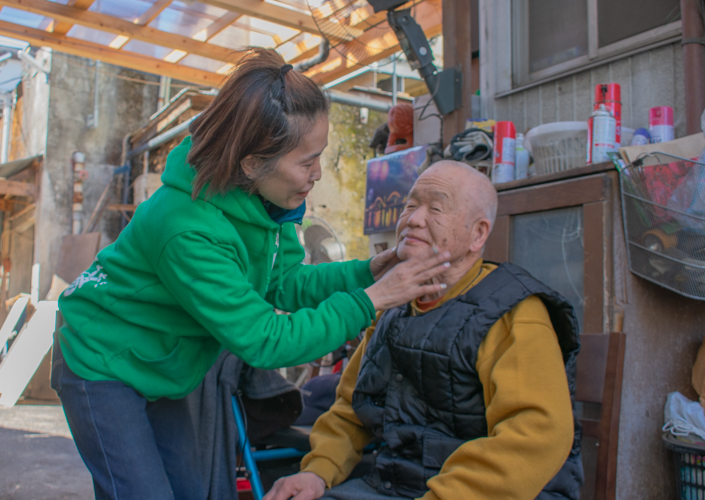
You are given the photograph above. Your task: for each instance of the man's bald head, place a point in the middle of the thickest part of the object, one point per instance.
(475, 188)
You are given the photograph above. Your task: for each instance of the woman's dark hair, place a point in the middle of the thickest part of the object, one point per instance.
(263, 110)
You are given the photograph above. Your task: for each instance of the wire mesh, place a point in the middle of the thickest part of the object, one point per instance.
(663, 206)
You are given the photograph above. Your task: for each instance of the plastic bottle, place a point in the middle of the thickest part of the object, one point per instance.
(521, 155)
(504, 148)
(641, 137)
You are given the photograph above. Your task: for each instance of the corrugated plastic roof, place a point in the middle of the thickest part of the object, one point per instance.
(129, 10)
(21, 17)
(198, 40)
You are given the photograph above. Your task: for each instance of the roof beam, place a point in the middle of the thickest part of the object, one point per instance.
(61, 28)
(376, 45)
(221, 23)
(125, 28)
(150, 14)
(113, 56)
(283, 16)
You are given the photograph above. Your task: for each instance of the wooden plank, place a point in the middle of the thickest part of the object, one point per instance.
(561, 194)
(77, 253)
(457, 51)
(497, 245)
(61, 28)
(374, 45)
(151, 14)
(106, 54)
(27, 352)
(594, 221)
(119, 26)
(121, 207)
(15, 188)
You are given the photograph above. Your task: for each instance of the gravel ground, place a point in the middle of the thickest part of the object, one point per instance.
(38, 458)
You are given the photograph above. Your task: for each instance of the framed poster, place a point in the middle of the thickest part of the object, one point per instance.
(389, 180)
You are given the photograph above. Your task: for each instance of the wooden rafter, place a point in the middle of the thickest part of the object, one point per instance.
(113, 56)
(222, 23)
(125, 28)
(281, 15)
(61, 28)
(365, 24)
(152, 13)
(374, 45)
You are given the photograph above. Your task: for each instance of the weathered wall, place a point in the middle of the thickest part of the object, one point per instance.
(648, 79)
(339, 197)
(123, 107)
(664, 331)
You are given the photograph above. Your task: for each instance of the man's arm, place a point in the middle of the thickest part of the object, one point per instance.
(528, 409)
(338, 437)
(337, 441)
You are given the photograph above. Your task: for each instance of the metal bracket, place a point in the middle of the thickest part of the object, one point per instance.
(446, 88)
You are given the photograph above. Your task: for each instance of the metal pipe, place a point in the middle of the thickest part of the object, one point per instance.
(6, 123)
(161, 138)
(358, 101)
(323, 51)
(335, 96)
(693, 45)
(93, 119)
(394, 80)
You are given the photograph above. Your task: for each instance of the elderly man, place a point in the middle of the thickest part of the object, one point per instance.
(470, 391)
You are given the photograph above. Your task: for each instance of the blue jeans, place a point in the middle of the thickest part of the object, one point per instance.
(134, 448)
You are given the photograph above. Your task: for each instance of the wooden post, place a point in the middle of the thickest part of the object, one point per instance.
(457, 50)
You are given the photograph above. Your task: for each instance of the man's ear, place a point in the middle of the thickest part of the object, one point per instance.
(480, 233)
(249, 166)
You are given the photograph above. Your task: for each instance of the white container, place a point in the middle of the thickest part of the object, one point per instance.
(521, 163)
(557, 146)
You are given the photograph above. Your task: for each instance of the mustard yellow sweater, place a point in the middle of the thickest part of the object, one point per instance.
(528, 409)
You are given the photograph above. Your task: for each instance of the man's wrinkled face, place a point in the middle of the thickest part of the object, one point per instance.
(435, 214)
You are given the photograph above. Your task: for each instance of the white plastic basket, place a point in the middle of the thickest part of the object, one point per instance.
(557, 146)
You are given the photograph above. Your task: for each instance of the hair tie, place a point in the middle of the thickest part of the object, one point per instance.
(283, 71)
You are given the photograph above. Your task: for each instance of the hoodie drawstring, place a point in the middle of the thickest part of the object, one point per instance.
(280, 258)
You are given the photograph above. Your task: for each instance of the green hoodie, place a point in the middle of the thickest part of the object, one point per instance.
(186, 279)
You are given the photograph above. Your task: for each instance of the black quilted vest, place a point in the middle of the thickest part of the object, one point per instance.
(418, 389)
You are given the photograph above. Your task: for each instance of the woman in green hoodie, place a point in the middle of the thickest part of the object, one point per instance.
(201, 268)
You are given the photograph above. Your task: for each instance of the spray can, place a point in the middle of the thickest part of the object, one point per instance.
(661, 124)
(602, 137)
(610, 95)
(521, 168)
(504, 151)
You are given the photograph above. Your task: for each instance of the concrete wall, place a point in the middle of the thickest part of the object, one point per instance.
(648, 79)
(123, 107)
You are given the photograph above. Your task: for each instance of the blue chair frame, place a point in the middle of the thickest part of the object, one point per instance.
(250, 457)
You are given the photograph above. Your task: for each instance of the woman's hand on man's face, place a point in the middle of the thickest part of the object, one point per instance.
(383, 262)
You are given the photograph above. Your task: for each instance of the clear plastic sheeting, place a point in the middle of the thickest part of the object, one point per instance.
(181, 21)
(147, 49)
(550, 246)
(91, 35)
(203, 63)
(21, 17)
(129, 10)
